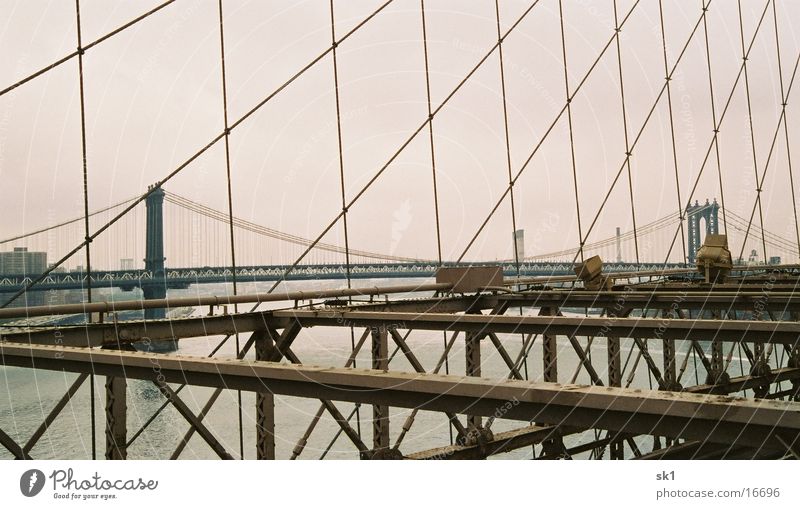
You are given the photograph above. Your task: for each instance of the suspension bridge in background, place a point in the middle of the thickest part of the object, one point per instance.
(652, 349)
(209, 267)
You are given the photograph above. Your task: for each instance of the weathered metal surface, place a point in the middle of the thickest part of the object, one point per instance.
(723, 330)
(503, 442)
(470, 279)
(719, 419)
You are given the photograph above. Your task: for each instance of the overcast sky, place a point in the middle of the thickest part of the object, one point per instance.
(153, 98)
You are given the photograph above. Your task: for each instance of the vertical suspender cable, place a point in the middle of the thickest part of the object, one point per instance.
(339, 139)
(230, 201)
(342, 185)
(430, 133)
(88, 271)
(752, 137)
(617, 30)
(508, 155)
(785, 127)
(681, 208)
(433, 175)
(508, 142)
(715, 139)
(571, 133)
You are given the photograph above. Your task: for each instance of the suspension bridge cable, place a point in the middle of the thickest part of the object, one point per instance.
(667, 78)
(402, 147)
(543, 138)
(641, 130)
(276, 234)
(340, 151)
(86, 210)
(617, 31)
(230, 201)
(714, 138)
(508, 156)
(743, 223)
(430, 133)
(227, 144)
(356, 410)
(786, 127)
(192, 158)
(65, 223)
(760, 181)
(713, 103)
(652, 227)
(433, 175)
(84, 48)
(571, 133)
(507, 140)
(752, 133)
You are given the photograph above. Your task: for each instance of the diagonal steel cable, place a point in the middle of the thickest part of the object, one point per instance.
(78, 52)
(544, 136)
(196, 155)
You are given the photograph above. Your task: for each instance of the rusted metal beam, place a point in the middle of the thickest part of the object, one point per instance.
(126, 332)
(723, 330)
(265, 404)
(380, 413)
(685, 296)
(503, 442)
(301, 443)
(196, 423)
(741, 383)
(116, 416)
(215, 301)
(59, 406)
(412, 359)
(718, 419)
(13, 447)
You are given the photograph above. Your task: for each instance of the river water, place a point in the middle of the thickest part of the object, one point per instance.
(26, 395)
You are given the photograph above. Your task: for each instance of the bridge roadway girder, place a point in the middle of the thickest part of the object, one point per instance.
(717, 419)
(743, 300)
(678, 329)
(99, 334)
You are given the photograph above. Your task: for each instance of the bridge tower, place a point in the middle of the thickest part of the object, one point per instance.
(156, 288)
(710, 213)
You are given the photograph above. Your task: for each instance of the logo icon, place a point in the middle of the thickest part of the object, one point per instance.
(31, 482)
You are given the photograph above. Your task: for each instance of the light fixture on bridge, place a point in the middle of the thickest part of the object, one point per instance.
(714, 258)
(590, 272)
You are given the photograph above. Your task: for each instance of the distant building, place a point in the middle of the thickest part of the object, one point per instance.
(20, 261)
(126, 264)
(774, 260)
(519, 242)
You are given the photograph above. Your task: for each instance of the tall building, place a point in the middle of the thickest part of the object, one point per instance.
(519, 244)
(126, 264)
(20, 261)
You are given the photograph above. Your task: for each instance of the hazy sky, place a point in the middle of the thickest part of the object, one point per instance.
(153, 98)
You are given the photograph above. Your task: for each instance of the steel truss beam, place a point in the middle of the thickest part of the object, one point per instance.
(505, 441)
(723, 330)
(689, 297)
(717, 419)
